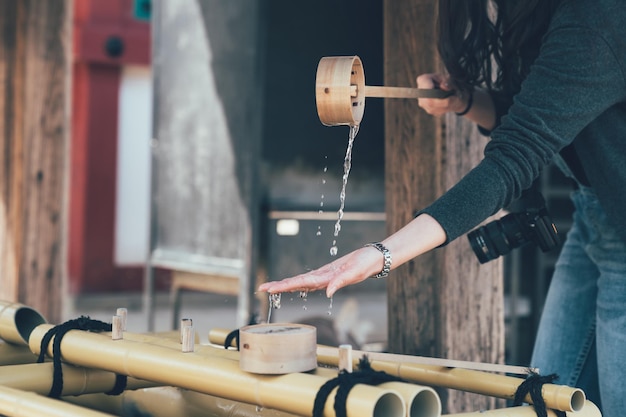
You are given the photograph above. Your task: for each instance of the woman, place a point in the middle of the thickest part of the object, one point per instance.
(547, 80)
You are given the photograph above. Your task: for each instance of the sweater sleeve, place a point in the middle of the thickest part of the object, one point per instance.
(575, 78)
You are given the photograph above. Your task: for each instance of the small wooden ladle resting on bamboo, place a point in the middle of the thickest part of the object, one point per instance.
(340, 91)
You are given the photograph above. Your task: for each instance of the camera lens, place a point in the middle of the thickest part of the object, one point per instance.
(479, 245)
(498, 237)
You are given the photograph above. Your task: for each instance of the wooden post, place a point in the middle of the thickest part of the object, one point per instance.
(442, 304)
(34, 56)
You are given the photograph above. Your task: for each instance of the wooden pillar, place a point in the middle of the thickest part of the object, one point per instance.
(442, 304)
(34, 56)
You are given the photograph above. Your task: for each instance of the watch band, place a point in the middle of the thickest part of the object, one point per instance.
(386, 259)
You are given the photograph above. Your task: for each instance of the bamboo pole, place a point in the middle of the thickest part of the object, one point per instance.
(163, 401)
(424, 360)
(15, 354)
(405, 92)
(37, 378)
(218, 337)
(171, 401)
(170, 341)
(420, 401)
(559, 397)
(292, 393)
(173, 335)
(16, 403)
(17, 321)
(589, 409)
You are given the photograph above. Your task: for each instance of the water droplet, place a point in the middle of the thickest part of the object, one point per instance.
(318, 233)
(323, 181)
(338, 227)
(303, 295)
(325, 169)
(275, 300)
(333, 251)
(259, 408)
(274, 303)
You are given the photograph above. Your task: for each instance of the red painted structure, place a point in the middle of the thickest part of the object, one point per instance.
(106, 37)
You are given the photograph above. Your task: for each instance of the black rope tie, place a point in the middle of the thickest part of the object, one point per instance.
(120, 385)
(81, 323)
(234, 335)
(229, 339)
(532, 385)
(346, 381)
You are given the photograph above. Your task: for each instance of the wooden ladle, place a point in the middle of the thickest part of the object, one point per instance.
(340, 91)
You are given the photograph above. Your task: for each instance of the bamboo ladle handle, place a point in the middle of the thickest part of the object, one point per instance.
(340, 91)
(405, 92)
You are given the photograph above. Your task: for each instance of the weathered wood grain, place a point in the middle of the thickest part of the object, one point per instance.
(34, 63)
(442, 304)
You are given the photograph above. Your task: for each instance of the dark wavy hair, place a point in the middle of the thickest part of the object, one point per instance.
(492, 43)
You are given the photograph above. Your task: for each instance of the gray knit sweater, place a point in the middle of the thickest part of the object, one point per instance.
(575, 93)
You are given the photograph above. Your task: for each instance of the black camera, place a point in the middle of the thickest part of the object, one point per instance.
(514, 230)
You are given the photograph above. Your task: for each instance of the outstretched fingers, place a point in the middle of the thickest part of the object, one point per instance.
(347, 270)
(309, 281)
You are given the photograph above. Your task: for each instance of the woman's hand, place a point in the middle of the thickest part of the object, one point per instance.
(480, 110)
(350, 269)
(420, 235)
(438, 106)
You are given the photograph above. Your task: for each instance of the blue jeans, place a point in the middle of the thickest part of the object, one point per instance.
(582, 333)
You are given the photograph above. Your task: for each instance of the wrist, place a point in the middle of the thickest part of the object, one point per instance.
(468, 105)
(386, 259)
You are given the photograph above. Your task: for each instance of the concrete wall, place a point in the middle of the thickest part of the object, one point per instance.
(207, 126)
